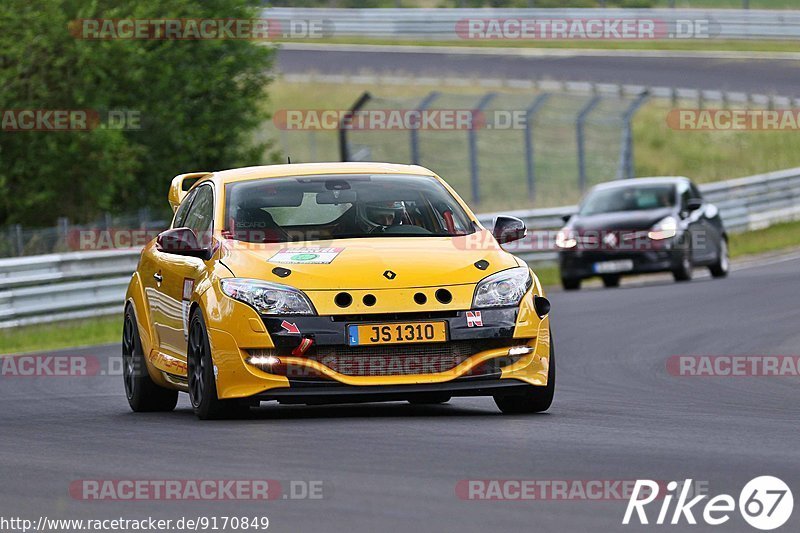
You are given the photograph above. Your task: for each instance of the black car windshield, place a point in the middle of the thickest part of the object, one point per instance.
(633, 198)
(308, 208)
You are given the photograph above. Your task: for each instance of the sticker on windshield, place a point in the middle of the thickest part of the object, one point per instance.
(313, 256)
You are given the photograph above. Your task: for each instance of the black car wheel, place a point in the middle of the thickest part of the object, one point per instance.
(721, 267)
(683, 272)
(611, 280)
(142, 393)
(571, 284)
(535, 400)
(202, 383)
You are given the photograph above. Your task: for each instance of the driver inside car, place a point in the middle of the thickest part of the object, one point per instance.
(378, 216)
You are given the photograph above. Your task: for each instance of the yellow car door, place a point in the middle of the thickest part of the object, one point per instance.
(175, 276)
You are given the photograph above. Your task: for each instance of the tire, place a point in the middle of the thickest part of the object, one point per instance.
(611, 280)
(202, 383)
(571, 284)
(722, 266)
(683, 272)
(144, 396)
(536, 400)
(432, 399)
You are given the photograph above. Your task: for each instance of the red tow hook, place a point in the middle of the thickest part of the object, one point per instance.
(302, 348)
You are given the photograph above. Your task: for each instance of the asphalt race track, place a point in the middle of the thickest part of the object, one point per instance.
(767, 76)
(618, 415)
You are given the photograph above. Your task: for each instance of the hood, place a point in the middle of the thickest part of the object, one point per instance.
(619, 221)
(361, 263)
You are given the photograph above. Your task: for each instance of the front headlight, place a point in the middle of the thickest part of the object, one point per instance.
(566, 239)
(664, 229)
(268, 298)
(502, 289)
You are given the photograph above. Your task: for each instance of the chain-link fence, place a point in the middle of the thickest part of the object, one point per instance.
(516, 150)
(111, 231)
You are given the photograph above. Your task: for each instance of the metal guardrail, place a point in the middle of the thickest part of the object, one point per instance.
(441, 24)
(54, 287)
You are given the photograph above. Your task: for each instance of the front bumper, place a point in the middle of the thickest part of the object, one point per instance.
(579, 264)
(500, 328)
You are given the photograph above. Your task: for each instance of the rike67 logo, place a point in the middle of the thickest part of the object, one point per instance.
(765, 503)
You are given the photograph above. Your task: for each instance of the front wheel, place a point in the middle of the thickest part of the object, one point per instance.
(683, 272)
(142, 393)
(611, 280)
(571, 284)
(202, 381)
(537, 399)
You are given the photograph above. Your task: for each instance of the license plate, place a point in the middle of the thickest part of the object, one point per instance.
(396, 333)
(609, 267)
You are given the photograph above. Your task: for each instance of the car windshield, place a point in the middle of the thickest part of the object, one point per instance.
(308, 208)
(634, 198)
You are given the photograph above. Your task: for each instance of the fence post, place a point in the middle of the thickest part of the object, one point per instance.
(17, 235)
(312, 145)
(144, 217)
(344, 154)
(530, 163)
(414, 132)
(63, 230)
(473, 150)
(579, 134)
(625, 168)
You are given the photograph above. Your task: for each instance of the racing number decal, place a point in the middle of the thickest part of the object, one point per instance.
(186, 300)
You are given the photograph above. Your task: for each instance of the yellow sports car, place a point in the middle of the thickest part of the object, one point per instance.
(332, 283)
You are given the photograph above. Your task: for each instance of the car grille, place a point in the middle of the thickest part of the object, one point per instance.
(399, 360)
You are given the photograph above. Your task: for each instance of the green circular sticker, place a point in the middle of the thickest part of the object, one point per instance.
(304, 257)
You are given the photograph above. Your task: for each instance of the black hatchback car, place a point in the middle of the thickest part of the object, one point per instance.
(641, 226)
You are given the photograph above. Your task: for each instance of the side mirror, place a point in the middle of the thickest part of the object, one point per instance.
(508, 229)
(566, 218)
(182, 241)
(694, 204)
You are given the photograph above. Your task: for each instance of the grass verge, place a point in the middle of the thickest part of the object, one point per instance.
(67, 334)
(774, 238)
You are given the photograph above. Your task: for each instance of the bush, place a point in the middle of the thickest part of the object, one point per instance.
(199, 102)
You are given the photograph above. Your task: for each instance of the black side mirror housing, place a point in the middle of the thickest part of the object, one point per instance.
(508, 229)
(694, 204)
(566, 218)
(182, 241)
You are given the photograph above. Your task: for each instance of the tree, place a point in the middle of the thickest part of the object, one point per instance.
(198, 103)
